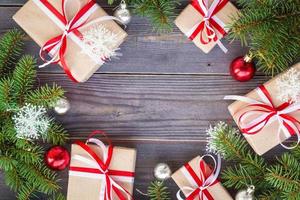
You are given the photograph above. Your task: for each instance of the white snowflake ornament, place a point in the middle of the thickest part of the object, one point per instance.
(31, 122)
(288, 86)
(102, 42)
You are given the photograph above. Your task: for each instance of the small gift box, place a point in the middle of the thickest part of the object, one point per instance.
(77, 34)
(270, 114)
(197, 180)
(204, 21)
(100, 172)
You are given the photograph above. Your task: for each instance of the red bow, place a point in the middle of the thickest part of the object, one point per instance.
(57, 46)
(110, 184)
(208, 25)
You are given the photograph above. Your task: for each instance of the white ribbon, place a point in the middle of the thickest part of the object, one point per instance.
(54, 53)
(276, 118)
(207, 183)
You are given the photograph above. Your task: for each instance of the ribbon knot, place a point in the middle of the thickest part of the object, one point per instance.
(258, 114)
(201, 183)
(56, 47)
(210, 23)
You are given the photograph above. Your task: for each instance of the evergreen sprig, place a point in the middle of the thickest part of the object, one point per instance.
(271, 29)
(279, 180)
(158, 191)
(21, 160)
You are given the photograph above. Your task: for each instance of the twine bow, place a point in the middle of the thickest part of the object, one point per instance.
(210, 24)
(265, 113)
(56, 47)
(202, 182)
(101, 167)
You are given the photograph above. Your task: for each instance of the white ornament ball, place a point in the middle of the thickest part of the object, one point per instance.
(123, 14)
(247, 194)
(62, 106)
(162, 171)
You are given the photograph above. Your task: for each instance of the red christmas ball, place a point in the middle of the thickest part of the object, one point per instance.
(57, 158)
(242, 68)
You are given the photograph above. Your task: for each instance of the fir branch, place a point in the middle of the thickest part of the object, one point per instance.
(45, 96)
(13, 179)
(24, 77)
(7, 163)
(160, 12)
(26, 191)
(7, 100)
(10, 49)
(158, 191)
(56, 134)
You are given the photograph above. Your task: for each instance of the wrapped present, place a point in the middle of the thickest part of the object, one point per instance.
(77, 34)
(197, 180)
(270, 114)
(204, 21)
(100, 172)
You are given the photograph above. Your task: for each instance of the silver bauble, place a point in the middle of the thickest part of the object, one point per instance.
(247, 194)
(62, 106)
(162, 171)
(122, 13)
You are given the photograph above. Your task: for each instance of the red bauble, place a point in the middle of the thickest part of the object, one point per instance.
(242, 69)
(57, 158)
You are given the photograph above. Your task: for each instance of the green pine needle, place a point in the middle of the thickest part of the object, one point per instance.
(21, 160)
(10, 48)
(158, 191)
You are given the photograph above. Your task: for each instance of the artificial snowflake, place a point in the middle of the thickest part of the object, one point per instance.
(288, 86)
(101, 42)
(213, 136)
(31, 122)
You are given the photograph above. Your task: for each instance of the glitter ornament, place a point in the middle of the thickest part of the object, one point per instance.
(162, 171)
(57, 158)
(62, 106)
(247, 194)
(122, 13)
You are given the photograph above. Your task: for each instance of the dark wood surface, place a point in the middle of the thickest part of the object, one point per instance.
(160, 97)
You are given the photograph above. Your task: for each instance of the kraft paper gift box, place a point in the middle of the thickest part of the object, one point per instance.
(41, 28)
(189, 18)
(268, 137)
(217, 191)
(87, 187)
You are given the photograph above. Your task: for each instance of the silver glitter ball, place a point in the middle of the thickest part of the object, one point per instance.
(247, 194)
(123, 14)
(62, 106)
(162, 171)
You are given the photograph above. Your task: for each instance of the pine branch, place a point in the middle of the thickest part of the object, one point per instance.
(13, 179)
(56, 134)
(7, 100)
(158, 191)
(26, 191)
(45, 96)
(10, 49)
(24, 77)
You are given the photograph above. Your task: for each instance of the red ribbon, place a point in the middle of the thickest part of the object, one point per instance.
(71, 26)
(200, 180)
(104, 165)
(208, 25)
(270, 111)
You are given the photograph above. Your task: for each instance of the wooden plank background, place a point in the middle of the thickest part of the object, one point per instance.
(159, 97)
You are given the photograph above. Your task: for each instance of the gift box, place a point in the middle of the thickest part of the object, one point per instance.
(191, 177)
(72, 36)
(205, 24)
(264, 117)
(92, 179)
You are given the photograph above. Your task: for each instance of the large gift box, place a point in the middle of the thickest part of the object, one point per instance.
(73, 36)
(205, 24)
(192, 180)
(267, 116)
(97, 170)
